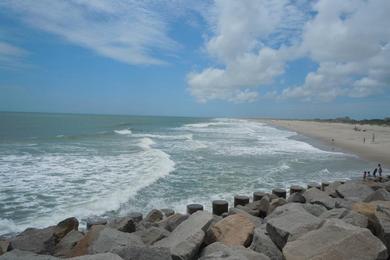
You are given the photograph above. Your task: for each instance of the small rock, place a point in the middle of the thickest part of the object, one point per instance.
(263, 244)
(135, 216)
(234, 230)
(263, 206)
(276, 203)
(124, 224)
(220, 251)
(336, 240)
(173, 221)
(95, 220)
(154, 216)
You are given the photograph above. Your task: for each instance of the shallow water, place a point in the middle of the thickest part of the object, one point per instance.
(57, 165)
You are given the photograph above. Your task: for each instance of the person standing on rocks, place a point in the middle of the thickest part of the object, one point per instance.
(380, 170)
(364, 175)
(374, 172)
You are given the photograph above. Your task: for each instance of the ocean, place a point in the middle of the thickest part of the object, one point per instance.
(54, 166)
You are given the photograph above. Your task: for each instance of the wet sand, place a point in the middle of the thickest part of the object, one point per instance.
(346, 137)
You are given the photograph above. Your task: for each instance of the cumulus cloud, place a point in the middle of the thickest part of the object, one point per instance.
(251, 42)
(127, 31)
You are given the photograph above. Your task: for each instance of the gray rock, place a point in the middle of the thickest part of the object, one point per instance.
(276, 203)
(124, 224)
(64, 227)
(261, 243)
(315, 196)
(104, 256)
(17, 254)
(95, 220)
(354, 191)
(336, 240)
(5, 246)
(380, 194)
(347, 216)
(173, 221)
(263, 206)
(296, 197)
(40, 241)
(331, 189)
(66, 244)
(248, 210)
(144, 253)
(381, 222)
(185, 240)
(101, 239)
(167, 212)
(219, 251)
(344, 203)
(255, 220)
(154, 216)
(290, 224)
(315, 210)
(153, 234)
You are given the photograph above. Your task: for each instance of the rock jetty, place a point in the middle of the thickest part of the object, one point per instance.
(332, 220)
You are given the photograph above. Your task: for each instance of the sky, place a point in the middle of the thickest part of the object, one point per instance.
(252, 58)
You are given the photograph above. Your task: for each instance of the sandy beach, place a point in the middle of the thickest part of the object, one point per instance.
(346, 137)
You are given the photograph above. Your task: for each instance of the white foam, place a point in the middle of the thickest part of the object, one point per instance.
(123, 132)
(165, 137)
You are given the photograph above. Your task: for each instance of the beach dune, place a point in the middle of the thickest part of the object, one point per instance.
(370, 142)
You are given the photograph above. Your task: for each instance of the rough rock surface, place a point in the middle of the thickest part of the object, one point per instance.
(173, 221)
(380, 194)
(185, 240)
(124, 224)
(144, 253)
(263, 244)
(64, 227)
(255, 220)
(220, 251)
(315, 196)
(234, 230)
(296, 197)
(103, 256)
(276, 203)
(151, 235)
(65, 246)
(154, 216)
(39, 241)
(336, 240)
(101, 239)
(347, 216)
(17, 254)
(288, 225)
(4, 246)
(354, 191)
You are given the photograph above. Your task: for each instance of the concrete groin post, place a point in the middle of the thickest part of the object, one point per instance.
(220, 207)
(296, 188)
(313, 185)
(240, 200)
(258, 195)
(192, 208)
(281, 193)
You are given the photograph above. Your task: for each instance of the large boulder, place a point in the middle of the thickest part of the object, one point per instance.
(171, 222)
(185, 241)
(354, 191)
(336, 240)
(220, 251)
(154, 215)
(103, 256)
(101, 239)
(381, 225)
(153, 234)
(315, 196)
(347, 216)
(296, 197)
(289, 224)
(255, 220)
(144, 253)
(40, 241)
(315, 210)
(380, 194)
(64, 227)
(124, 224)
(4, 246)
(67, 243)
(17, 254)
(234, 230)
(261, 243)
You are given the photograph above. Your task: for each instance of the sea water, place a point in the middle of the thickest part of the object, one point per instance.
(54, 166)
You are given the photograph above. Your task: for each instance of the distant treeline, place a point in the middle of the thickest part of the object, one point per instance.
(385, 121)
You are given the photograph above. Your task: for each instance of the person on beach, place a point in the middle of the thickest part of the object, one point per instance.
(364, 175)
(380, 170)
(374, 172)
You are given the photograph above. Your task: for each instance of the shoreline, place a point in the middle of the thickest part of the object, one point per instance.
(344, 137)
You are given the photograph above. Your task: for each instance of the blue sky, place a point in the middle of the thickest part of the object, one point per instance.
(255, 58)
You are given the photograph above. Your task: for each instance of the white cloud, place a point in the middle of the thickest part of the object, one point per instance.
(127, 31)
(241, 32)
(11, 56)
(251, 42)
